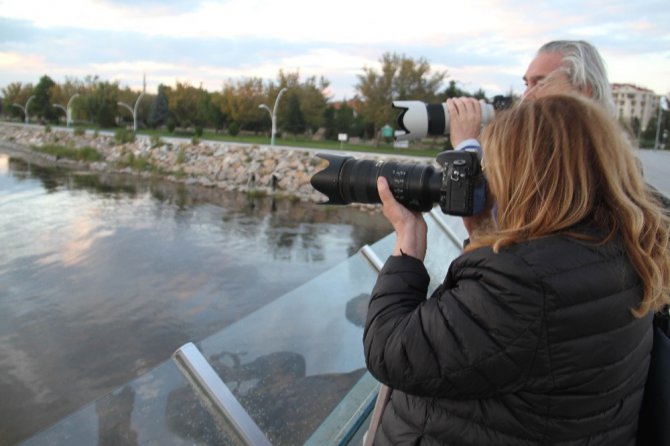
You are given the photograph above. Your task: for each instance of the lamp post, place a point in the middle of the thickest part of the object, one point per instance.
(133, 111)
(25, 109)
(661, 102)
(273, 115)
(68, 113)
(64, 110)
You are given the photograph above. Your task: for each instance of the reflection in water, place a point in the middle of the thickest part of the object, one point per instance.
(103, 276)
(114, 427)
(290, 405)
(357, 309)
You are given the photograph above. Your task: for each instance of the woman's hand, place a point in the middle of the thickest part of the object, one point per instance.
(465, 119)
(410, 227)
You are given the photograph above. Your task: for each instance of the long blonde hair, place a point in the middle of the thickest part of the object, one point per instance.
(559, 161)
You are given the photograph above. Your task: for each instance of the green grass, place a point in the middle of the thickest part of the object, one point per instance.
(384, 148)
(83, 154)
(426, 148)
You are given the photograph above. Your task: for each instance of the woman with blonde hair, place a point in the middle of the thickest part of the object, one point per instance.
(541, 332)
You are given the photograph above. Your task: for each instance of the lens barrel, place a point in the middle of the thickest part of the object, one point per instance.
(348, 180)
(418, 119)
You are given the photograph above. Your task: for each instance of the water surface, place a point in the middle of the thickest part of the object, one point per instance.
(102, 277)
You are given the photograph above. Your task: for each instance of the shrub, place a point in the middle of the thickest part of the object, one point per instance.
(123, 136)
(233, 129)
(79, 131)
(181, 156)
(90, 154)
(156, 141)
(83, 154)
(171, 124)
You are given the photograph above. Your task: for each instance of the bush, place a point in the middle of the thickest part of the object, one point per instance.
(79, 131)
(198, 131)
(83, 154)
(171, 124)
(136, 163)
(123, 136)
(156, 141)
(233, 129)
(181, 156)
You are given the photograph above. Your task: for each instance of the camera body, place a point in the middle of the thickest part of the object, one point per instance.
(458, 187)
(463, 190)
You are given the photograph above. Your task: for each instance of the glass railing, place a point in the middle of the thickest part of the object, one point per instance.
(290, 373)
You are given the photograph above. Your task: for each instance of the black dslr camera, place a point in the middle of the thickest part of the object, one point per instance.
(459, 187)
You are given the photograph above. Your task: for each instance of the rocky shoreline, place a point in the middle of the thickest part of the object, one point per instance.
(253, 169)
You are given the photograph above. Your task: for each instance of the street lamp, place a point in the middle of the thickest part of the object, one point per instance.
(133, 111)
(25, 109)
(68, 112)
(64, 110)
(662, 101)
(273, 115)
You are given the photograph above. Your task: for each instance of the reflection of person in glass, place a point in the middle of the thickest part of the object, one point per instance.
(541, 332)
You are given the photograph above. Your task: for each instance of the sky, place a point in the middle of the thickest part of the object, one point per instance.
(483, 44)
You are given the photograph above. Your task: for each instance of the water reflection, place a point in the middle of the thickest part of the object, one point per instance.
(291, 405)
(114, 426)
(103, 276)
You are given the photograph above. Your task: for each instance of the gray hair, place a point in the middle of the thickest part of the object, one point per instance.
(586, 68)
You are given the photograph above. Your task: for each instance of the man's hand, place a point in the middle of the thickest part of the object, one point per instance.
(465, 119)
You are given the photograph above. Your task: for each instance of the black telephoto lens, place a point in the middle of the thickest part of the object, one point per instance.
(347, 180)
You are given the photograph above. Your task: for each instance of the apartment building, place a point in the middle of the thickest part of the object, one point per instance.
(632, 101)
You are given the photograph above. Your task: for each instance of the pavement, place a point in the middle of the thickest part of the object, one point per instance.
(656, 164)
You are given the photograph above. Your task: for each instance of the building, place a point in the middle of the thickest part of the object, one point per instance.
(632, 102)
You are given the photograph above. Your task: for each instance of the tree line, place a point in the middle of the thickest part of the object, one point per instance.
(305, 107)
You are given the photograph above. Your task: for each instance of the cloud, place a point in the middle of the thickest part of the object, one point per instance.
(482, 43)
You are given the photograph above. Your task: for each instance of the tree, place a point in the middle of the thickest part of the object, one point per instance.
(16, 93)
(310, 94)
(240, 102)
(341, 118)
(295, 120)
(159, 111)
(453, 91)
(400, 78)
(41, 105)
(62, 93)
(100, 102)
(219, 119)
(183, 103)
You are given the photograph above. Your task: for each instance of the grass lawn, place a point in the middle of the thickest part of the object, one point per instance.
(384, 147)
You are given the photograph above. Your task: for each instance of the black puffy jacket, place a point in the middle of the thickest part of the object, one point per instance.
(533, 345)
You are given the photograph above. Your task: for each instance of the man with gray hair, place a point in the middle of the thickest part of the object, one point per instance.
(569, 65)
(559, 66)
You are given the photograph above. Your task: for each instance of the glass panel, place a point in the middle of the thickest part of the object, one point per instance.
(291, 362)
(296, 366)
(160, 407)
(441, 248)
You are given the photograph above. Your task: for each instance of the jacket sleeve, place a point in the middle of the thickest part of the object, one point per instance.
(475, 337)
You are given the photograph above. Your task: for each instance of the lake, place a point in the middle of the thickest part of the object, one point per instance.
(103, 276)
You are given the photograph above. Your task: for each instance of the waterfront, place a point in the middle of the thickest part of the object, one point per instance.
(102, 277)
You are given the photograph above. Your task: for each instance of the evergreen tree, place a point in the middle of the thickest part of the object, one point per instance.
(295, 120)
(159, 111)
(41, 105)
